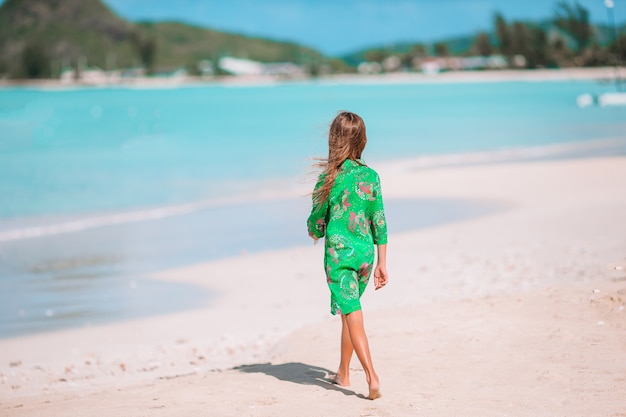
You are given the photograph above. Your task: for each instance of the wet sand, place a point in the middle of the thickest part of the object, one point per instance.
(518, 312)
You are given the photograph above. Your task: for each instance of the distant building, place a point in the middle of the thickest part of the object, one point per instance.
(68, 75)
(392, 63)
(434, 65)
(369, 68)
(89, 75)
(484, 62)
(205, 67)
(431, 66)
(239, 66)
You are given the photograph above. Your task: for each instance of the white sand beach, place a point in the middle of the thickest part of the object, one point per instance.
(519, 313)
(608, 74)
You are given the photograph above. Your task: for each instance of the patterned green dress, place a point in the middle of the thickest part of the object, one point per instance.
(353, 221)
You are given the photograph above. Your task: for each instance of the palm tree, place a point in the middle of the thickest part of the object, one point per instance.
(574, 19)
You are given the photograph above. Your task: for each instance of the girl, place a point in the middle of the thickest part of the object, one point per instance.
(348, 210)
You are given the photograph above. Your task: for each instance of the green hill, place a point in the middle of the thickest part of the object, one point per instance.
(39, 37)
(61, 32)
(181, 44)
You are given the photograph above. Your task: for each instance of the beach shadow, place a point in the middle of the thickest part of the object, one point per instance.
(298, 373)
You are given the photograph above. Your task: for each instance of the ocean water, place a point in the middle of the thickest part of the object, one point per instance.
(99, 187)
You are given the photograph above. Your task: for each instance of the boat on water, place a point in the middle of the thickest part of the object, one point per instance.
(602, 100)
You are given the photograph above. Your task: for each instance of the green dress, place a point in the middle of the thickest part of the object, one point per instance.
(353, 221)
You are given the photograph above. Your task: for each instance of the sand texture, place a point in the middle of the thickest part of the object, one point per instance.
(516, 313)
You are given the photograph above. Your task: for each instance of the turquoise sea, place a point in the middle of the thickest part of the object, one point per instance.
(99, 187)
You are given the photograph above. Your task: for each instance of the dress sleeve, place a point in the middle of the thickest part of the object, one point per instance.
(316, 223)
(379, 223)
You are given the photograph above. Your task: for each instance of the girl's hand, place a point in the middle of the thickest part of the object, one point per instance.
(315, 238)
(380, 276)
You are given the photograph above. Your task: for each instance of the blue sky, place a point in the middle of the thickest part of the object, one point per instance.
(339, 26)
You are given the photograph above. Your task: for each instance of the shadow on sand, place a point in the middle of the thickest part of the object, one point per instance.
(299, 373)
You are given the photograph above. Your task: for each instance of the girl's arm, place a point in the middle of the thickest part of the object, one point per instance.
(380, 273)
(316, 223)
(379, 222)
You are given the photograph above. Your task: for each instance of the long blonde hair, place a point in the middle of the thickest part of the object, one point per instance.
(346, 140)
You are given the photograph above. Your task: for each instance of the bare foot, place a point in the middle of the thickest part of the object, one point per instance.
(374, 394)
(374, 385)
(341, 381)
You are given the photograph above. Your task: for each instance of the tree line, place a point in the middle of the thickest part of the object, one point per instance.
(37, 61)
(569, 39)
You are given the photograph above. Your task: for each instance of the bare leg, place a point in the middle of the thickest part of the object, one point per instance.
(343, 374)
(360, 344)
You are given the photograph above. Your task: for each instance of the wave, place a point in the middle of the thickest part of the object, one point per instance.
(115, 219)
(280, 190)
(553, 151)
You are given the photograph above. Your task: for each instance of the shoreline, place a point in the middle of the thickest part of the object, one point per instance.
(294, 186)
(103, 285)
(607, 74)
(129, 281)
(562, 236)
